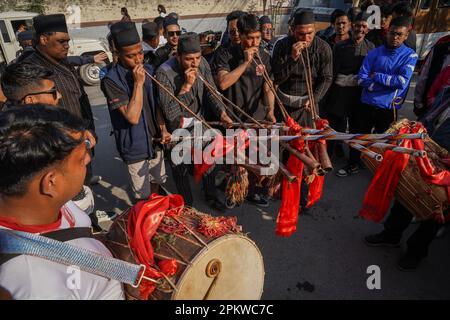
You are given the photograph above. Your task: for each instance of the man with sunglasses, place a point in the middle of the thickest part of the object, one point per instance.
(26, 83)
(172, 32)
(52, 48)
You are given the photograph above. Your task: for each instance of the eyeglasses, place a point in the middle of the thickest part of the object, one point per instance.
(53, 91)
(88, 144)
(173, 33)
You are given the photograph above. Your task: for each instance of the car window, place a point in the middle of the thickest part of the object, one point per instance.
(4, 32)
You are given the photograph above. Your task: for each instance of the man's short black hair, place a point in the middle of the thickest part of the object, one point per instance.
(21, 78)
(234, 15)
(248, 23)
(339, 13)
(402, 21)
(335, 14)
(33, 138)
(403, 9)
(386, 11)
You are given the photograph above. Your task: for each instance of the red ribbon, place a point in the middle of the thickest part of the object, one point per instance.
(316, 185)
(143, 221)
(290, 194)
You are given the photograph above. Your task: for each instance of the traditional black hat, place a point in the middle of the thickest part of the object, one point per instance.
(149, 30)
(189, 43)
(50, 23)
(169, 20)
(362, 16)
(264, 20)
(25, 35)
(304, 17)
(125, 34)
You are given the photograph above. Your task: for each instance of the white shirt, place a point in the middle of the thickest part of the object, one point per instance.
(162, 41)
(146, 47)
(33, 278)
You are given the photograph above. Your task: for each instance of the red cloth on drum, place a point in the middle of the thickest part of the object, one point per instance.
(381, 191)
(379, 196)
(143, 221)
(290, 191)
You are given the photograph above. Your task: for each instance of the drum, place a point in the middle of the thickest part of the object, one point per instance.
(424, 200)
(227, 267)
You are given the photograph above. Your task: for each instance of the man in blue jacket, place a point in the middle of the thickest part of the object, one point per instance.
(385, 76)
(129, 94)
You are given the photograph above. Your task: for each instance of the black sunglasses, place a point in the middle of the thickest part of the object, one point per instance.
(172, 33)
(53, 91)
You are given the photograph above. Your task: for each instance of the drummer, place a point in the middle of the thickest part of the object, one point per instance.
(36, 199)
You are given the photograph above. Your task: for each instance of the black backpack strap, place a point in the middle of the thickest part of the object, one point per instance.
(62, 235)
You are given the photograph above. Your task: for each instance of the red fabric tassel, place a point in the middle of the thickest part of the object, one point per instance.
(290, 191)
(315, 190)
(218, 148)
(316, 186)
(143, 221)
(168, 266)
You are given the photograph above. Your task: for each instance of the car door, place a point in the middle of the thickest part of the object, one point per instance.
(8, 41)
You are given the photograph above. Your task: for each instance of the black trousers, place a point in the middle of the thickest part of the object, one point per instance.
(418, 243)
(365, 119)
(338, 123)
(181, 175)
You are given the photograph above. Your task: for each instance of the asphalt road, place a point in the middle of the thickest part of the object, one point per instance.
(326, 258)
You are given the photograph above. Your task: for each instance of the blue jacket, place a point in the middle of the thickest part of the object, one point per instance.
(385, 76)
(134, 142)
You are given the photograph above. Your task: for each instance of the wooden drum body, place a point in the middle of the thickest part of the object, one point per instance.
(228, 267)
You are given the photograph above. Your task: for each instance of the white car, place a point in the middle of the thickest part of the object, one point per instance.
(10, 23)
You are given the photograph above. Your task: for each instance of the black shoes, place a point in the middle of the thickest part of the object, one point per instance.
(258, 200)
(381, 240)
(216, 204)
(408, 263)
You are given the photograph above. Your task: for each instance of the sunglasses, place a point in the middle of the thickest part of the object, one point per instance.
(53, 91)
(173, 33)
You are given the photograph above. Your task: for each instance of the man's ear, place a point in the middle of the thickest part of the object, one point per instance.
(29, 100)
(43, 40)
(49, 183)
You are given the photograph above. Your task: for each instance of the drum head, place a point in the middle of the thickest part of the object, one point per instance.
(241, 275)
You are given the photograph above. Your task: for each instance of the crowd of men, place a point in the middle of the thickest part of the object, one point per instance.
(359, 77)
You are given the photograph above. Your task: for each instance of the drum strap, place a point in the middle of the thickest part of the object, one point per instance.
(60, 235)
(19, 243)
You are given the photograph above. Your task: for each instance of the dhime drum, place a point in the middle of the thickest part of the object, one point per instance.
(425, 200)
(215, 260)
